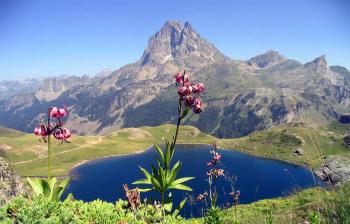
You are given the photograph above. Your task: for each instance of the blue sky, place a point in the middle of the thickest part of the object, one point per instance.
(47, 38)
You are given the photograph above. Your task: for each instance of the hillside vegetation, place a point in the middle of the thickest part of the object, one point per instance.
(308, 206)
(28, 156)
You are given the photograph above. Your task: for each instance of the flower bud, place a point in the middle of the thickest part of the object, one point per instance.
(62, 112)
(42, 130)
(37, 131)
(66, 133)
(184, 90)
(189, 100)
(198, 88)
(178, 77)
(54, 112)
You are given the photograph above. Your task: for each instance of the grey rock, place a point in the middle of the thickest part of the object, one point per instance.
(10, 183)
(336, 169)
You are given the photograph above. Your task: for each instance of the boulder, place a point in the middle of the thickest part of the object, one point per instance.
(336, 169)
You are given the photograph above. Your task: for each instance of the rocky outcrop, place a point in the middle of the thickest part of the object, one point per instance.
(336, 169)
(179, 42)
(10, 183)
(267, 59)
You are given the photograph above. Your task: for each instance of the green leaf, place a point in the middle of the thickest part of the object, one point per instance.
(155, 183)
(173, 172)
(46, 188)
(160, 152)
(180, 187)
(36, 185)
(155, 172)
(145, 189)
(142, 181)
(182, 180)
(184, 114)
(179, 207)
(162, 178)
(168, 203)
(145, 172)
(52, 191)
(63, 185)
(167, 155)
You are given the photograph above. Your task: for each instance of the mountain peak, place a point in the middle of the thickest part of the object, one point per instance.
(266, 59)
(319, 63)
(173, 23)
(320, 60)
(180, 42)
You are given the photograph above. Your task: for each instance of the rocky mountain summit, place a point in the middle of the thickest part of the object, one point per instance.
(242, 96)
(267, 59)
(181, 43)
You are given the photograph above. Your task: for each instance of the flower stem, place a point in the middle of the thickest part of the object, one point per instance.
(178, 121)
(49, 146)
(48, 156)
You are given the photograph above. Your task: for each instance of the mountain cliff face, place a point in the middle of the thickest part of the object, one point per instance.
(242, 96)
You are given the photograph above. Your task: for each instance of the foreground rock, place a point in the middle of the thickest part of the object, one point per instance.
(10, 183)
(336, 170)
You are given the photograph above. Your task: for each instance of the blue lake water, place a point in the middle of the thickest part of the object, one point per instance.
(256, 178)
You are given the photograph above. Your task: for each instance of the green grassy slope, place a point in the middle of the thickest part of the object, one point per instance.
(7, 132)
(28, 155)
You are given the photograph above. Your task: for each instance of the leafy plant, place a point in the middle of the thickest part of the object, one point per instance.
(163, 175)
(213, 216)
(49, 188)
(314, 218)
(40, 210)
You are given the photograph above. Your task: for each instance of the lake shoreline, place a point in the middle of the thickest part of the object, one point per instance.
(313, 171)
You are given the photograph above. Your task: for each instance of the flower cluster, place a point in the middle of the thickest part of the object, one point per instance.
(58, 112)
(133, 196)
(54, 128)
(202, 197)
(215, 172)
(235, 196)
(216, 157)
(189, 92)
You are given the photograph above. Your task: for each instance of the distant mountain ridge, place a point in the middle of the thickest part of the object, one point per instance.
(243, 96)
(46, 88)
